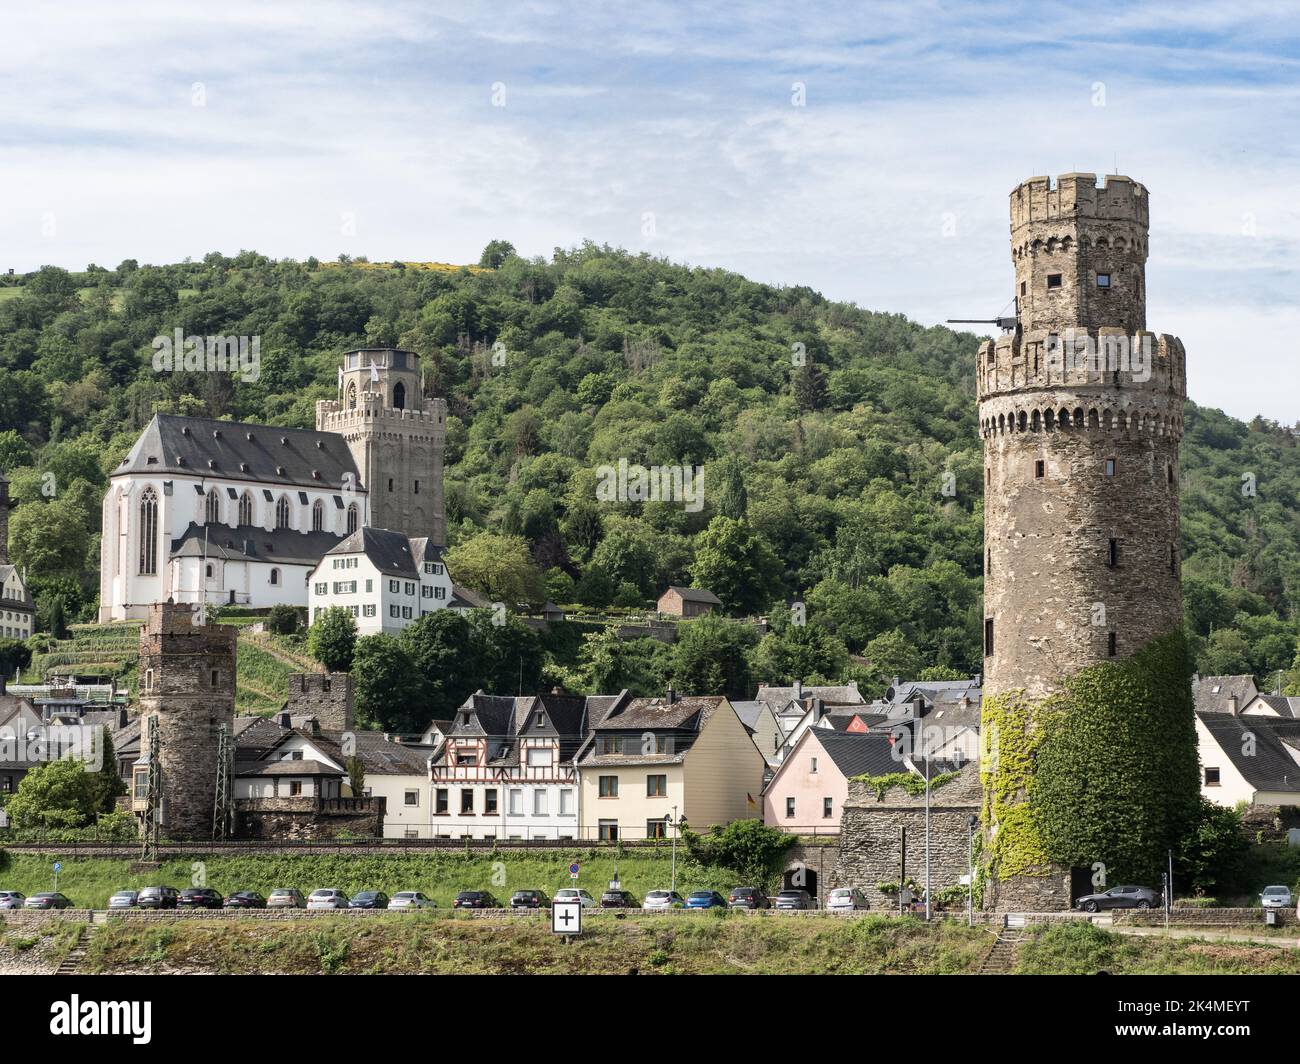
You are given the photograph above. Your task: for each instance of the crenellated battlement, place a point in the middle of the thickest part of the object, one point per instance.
(1077, 195)
(1099, 359)
(331, 414)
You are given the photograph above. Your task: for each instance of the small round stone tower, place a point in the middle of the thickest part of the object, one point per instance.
(187, 678)
(1081, 412)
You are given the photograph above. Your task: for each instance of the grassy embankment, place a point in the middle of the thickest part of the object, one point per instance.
(1082, 949)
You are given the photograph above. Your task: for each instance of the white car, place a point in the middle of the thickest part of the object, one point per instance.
(663, 899)
(1276, 898)
(409, 900)
(845, 900)
(572, 894)
(327, 898)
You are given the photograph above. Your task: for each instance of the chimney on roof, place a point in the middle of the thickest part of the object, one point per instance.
(121, 716)
(285, 720)
(798, 690)
(672, 696)
(1233, 705)
(819, 709)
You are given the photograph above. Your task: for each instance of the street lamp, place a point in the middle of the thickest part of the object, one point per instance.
(676, 823)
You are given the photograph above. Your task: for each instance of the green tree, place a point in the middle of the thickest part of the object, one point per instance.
(500, 567)
(711, 657)
(14, 655)
(737, 565)
(389, 688)
(55, 794)
(800, 652)
(495, 254)
(332, 639)
(610, 664)
(283, 619)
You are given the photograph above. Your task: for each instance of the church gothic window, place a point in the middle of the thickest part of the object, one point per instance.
(246, 509)
(212, 514)
(282, 512)
(352, 518)
(318, 516)
(148, 533)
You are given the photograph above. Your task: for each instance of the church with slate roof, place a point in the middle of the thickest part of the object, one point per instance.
(230, 513)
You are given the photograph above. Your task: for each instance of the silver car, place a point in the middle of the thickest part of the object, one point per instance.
(11, 899)
(663, 899)
(286, 898)
(845, 900)
(123, 899)
(409, 901)
(326, 898)
(1276, 898)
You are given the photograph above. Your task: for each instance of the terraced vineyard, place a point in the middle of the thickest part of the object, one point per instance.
(111, 651)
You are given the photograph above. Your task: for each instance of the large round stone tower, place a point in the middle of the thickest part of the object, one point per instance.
(187, 684)
(1081, 411)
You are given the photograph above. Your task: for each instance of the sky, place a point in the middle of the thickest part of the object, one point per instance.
(863, 150)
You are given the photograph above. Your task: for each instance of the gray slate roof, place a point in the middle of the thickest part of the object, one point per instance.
(1282, 705)
(389, 551)
(1272, 766)
(869, 754)
(694, 594)
(840, 694)
(218, 448)
(1213, 692)
(253, 543)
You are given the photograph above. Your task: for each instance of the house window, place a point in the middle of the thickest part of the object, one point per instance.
(275, 577)
(539, 802)
(394, 586)
(368, 611)
(467, 802)
(1110, 467)
(440, 801)
(1053, 280)
(440, 592)
(1103, 280)
(611, 744)
(988, 636)
(609, 786)
(539, 757)
(148, 533)
(789, 807)
(656, 829)
(209, 571)
(827, 803)
(490, 802)
(812, 765)
(1211, 776)
(246, 509)
(656, 786)
(411, 798)
(295, 788)
(1112, 553)
(608, 830)
(566, 803)
(322, 589)
(352, 518)
(141, 784)
(516, 802)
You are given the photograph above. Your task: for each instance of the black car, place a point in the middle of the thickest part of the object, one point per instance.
(475, 899)
(368, 899)
(157, 898)
(795, 899)
(198, 898)
(748, 898)
(47, 901)
(1123, 897)
(618, 899)
(529, 899)
(245, 899)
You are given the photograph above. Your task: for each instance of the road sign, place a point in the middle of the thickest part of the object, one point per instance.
(566, 917)
(573, 870)
(58, 867)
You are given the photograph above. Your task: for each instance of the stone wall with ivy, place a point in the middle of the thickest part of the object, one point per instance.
(1102, 772)
(878, 807)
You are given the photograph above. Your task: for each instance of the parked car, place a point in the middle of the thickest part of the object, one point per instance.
(845, 900)
(123, 899)
(529, 899)
(245, 899)
(11, 899)
(475, 899)
(574, 894)
(157, 898)
(198, 898)
(1122, 897)
(618, 899)
(748, 898)
(1276, 898)
(326, 898)
(705, 899)
(663, 899)
(47, 901)
(409, 901)
(286, 898)
(795, 899)
(368, 899)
